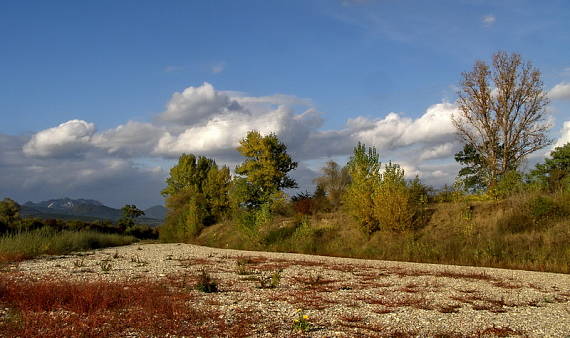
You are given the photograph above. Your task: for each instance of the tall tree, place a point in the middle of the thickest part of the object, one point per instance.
(189, 172)
(364, 170)
(266, 165)
(502, 112)
(196, 196)
(334, 181)
(394, 205)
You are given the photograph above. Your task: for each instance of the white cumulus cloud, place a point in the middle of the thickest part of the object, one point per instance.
(221, 134)
(67, 139)
(130, 139)
(196, 104)
(560, 92)
(564, 135)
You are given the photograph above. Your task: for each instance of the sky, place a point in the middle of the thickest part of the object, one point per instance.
(98, 99)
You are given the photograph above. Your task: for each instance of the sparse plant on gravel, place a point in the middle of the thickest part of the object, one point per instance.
(242, 268)
(139, 261)
(302, 323)
(79, 263)
(206, 283)
(106, 266)
(270, 280)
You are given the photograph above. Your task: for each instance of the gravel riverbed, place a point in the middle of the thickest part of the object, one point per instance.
(343, 297)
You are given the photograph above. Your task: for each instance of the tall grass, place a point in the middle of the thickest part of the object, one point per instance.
(29, 244)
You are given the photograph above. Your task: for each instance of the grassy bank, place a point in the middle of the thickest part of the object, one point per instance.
(29, 244)
(523, 232)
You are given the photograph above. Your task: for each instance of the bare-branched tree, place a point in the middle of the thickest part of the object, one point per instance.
(334, 181)
(502, 112)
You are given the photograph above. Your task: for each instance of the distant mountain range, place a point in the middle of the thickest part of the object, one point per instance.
(86, 210)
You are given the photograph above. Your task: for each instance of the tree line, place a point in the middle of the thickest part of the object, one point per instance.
(501, 119)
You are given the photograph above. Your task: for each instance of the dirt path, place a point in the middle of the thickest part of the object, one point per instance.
(340, 296)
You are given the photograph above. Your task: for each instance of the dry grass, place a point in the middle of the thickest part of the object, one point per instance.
(61, 308)
(316, 282)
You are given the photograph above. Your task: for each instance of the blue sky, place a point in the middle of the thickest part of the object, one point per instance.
(106, 63)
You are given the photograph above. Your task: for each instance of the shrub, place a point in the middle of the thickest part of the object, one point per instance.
(515, 221)
(303, 203)
(510, 183)
(543, 208)
(206, 283)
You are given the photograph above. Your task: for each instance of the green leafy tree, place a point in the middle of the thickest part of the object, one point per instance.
(196, 196)
(189, 172)
(9, 213)
(473, 175)
(265, 168)
(129, 213)
(554, 172)
(364, 170)
(334, 182)
(216, 192)
(394, 205)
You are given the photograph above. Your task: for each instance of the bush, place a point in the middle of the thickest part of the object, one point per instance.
(543, 208)
(398, 205)
(515, 221)
(511, 183)
(206, 283)
(303, 203)
(364, 170)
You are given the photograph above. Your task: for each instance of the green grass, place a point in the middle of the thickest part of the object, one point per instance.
(29, 244)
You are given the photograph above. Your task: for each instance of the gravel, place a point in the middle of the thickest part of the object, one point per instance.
(342, 296)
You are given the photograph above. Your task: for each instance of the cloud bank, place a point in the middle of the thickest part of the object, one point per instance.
(128, 163)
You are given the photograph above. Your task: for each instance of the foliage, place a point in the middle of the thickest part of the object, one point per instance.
(215, 190)
(197, 196)
(398, 206)
(480, 233)
(189, 173)
(509, 183)
(554, 173)
(9, 213)
(364, 170)
(304, 203)
(334, 182)
(187, 212)
(502, 115)
(265, 168)
(473, 174)
(129, 213)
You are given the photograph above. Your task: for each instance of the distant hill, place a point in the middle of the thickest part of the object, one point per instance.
(85, 210)
(158, 212)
